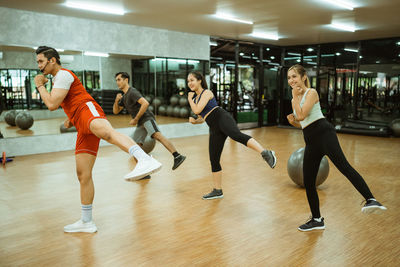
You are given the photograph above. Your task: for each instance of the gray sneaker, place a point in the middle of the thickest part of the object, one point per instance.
(312, 224)
(215, 193)
(372, 206)
(269, 157)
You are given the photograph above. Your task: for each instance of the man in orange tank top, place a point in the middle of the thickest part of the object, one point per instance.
(88, 117)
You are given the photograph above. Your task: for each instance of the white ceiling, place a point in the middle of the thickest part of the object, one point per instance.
(294, 21)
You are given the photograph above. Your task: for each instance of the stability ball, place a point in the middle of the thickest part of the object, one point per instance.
(177, 111)
(395, 126)
(157, 102)
(151, 108)
(67, 130)
(170, 110)
(24, 120)
(174, 100)
(149, 98)
(295, 168)
(184, 113)
(183, 102)
(9, 117)
(162, 110)
(149, 144)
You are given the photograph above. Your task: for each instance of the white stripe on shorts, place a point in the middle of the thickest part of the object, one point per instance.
(93, 109)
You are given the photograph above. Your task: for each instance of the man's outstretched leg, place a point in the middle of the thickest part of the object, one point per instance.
(146, 165)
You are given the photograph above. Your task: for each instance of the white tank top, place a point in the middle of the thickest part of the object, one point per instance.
(315, 112)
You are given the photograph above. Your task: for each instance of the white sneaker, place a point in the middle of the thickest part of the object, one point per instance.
(80, 226)
(144, 168)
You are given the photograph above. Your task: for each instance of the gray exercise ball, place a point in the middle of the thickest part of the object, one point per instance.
(170, 111)
(9, 117)
(149, 144)
(63, 129)
(174, 100)
(157, 102)
(162, 110)
(24, 120)
(395, 126)
(183, 102)
(295, 168)
(177, 111)
(184, 112)
(151, 109)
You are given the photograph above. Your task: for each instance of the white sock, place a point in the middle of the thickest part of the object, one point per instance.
(86, 213)
(137, 152)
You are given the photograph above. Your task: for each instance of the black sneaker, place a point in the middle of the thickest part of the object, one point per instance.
(372, 206)
(145, 178)
(215, 193)
(269, 157)
(178, 161)
(312, 224)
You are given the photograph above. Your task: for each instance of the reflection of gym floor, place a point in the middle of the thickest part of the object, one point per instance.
(52, 126)
(164, 222)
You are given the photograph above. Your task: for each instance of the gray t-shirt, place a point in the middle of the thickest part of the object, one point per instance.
(130, 102)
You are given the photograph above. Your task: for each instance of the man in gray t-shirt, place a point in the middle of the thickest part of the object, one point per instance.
(137, 105)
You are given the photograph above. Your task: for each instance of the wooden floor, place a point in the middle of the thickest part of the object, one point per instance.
(164, 221)
(52, 126)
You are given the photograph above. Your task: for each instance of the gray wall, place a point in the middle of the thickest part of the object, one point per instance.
(25, 28)
(107, 66)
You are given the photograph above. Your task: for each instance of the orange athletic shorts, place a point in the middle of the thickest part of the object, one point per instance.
(86, 141)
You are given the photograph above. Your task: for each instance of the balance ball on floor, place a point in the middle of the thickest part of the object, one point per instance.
(295, 168)
(67, 130)
(149, 144)
(395, 126)
(24, 120)
(9, 117)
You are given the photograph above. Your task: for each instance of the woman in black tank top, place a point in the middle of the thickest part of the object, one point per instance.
(221, 126)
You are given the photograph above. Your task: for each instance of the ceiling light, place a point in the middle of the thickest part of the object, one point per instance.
(241, 53)
(267, 48)
(351, 50)
(340, 3)
(293, 54)
(310, 49)
(398, 43)
(213, 43)
(272, 57)
(95, 54)
(229, 17)
(343, 27)
(265, 36)
(338, 54)
(96, 8)
(59, 50)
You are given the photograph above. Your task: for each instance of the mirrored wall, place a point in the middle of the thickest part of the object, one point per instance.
(161, 80)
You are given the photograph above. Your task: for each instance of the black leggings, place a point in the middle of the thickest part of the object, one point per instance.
(221, 126)
(321, 139)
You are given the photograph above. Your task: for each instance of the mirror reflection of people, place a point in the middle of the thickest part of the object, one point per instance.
(87, 116)
(142, 117)
(320, 137)
(222, 125)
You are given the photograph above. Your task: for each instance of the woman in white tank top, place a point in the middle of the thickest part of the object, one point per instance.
(320, 138)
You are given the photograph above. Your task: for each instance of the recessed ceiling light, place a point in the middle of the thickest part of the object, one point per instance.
(231, 18)
(96, 8)
(351, 50)
(265, 36)
(340, 3)
(95, 54)
(310, 49)
(343, 27)
(338, 54)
